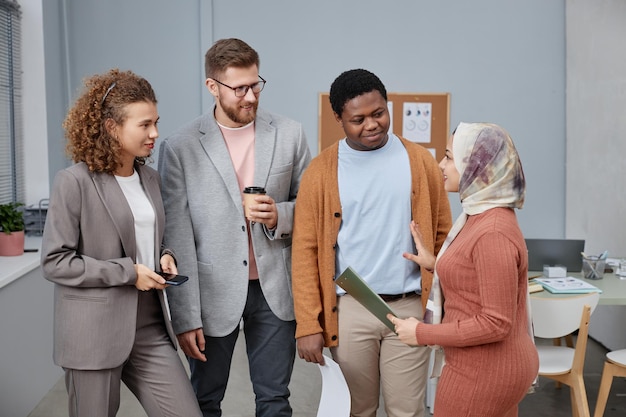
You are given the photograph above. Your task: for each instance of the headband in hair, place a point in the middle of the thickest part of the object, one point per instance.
(107, 92)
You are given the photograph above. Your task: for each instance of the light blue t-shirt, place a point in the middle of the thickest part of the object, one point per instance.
(375, 194)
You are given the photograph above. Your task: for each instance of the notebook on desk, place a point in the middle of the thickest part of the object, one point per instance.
(551, 252)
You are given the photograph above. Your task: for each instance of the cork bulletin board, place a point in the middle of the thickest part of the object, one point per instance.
(434, 118)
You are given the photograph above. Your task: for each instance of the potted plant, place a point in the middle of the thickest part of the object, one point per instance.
(12, 229)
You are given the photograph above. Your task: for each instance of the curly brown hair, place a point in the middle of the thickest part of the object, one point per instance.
(104, 97)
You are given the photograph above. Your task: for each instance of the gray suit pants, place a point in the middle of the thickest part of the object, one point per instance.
(153, 372)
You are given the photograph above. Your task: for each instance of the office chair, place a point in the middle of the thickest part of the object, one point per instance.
(615, 365)
(555, 317)
(569, 342)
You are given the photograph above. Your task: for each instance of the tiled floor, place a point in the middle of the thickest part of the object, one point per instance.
(547, 401)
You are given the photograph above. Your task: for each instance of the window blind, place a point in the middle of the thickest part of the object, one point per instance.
(11, 130)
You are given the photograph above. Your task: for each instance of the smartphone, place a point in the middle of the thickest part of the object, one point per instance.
(173, 279)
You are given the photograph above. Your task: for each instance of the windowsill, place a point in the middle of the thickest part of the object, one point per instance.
(14, 267)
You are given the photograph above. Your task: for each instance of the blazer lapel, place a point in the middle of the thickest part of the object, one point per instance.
(213, 144)
(115, 203)
(264, 147)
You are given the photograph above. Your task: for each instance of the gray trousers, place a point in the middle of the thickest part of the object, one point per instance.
(153, 372)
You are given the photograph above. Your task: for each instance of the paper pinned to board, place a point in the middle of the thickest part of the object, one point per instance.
(354, 285)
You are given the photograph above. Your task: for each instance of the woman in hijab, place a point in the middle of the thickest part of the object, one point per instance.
(491, 360)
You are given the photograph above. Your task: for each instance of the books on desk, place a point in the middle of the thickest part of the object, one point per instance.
(534, 287)
(567, 285)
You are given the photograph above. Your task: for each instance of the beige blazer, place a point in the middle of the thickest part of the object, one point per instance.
(88, 251)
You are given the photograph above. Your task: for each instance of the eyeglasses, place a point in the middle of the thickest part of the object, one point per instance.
(243, 90)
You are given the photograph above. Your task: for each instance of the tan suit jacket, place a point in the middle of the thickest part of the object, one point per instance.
(89, 253)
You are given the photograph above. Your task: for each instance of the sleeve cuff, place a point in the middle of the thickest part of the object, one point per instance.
(171, 253)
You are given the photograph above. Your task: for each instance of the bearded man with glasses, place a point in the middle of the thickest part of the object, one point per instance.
(238, 268)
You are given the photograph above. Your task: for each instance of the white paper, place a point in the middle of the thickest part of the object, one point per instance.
(335, 398)
(416, 122)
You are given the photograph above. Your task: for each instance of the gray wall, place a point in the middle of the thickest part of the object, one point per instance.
(502, 61)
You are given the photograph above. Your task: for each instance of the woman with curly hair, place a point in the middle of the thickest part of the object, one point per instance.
(101, 248)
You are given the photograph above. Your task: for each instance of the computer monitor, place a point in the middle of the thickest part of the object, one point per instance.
(552, 252)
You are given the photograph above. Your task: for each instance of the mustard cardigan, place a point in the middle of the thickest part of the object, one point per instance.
(316, 225)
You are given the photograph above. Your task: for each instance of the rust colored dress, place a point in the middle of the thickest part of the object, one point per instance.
(491, 360)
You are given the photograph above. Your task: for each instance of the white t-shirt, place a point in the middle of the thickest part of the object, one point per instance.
(144, 217)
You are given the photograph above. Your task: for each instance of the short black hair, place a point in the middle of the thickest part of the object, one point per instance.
(351, 84)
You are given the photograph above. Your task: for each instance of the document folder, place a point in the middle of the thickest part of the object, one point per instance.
(354, 285)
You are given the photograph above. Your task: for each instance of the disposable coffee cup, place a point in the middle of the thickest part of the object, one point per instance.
(249, 193)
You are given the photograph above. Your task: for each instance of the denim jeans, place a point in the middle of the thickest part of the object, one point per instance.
(271, 349)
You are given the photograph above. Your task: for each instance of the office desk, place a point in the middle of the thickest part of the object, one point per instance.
(607, 321)
(613, 288)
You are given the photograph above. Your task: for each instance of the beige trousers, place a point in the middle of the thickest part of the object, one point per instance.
(372, 358)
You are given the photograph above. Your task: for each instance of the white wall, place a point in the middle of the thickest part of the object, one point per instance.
(596, 124)
(596, 172)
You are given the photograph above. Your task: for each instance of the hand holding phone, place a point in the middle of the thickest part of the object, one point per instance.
(173, 279)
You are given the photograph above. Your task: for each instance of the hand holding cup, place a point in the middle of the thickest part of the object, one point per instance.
(249, 195)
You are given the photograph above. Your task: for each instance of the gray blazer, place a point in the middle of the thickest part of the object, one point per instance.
(88, 251)
(207, 229)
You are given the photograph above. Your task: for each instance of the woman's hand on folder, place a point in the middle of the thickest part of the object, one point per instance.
(310, 348)
(405, 329)
(424, 258)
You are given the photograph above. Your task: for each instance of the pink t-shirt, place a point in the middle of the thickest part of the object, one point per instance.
(240, 144)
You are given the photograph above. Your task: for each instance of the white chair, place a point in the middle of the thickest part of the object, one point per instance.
(555, 317)
(615, 365)
(335, 398)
